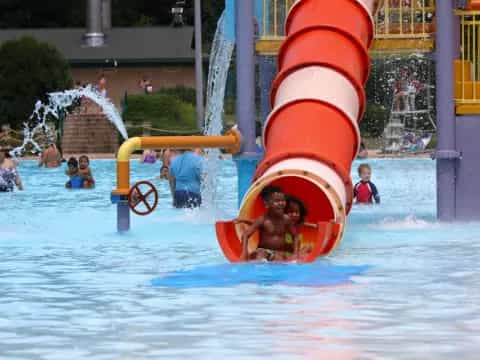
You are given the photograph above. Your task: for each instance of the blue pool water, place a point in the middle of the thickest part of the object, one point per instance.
(401, 285)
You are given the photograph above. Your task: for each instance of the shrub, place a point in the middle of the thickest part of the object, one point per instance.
(29, 69)
(183, 93)
(374, 121)
(165, 112)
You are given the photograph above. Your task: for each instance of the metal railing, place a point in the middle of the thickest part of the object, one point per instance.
(274, 16)
(467, 68)
(405, 19)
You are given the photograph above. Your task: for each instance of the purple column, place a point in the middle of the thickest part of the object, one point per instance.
(123, 216)
(446, 155)
(246, 114)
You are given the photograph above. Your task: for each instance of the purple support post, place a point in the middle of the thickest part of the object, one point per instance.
(246, 111)
(246, 114)
(446, 154)
(123, 216)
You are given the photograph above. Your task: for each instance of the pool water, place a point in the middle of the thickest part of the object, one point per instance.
(400, 286)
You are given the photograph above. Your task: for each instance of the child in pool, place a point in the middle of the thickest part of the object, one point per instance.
(76, 181)
(85, 172)
(365, 192)
(273, 227)
(297, 212)
(164, 172)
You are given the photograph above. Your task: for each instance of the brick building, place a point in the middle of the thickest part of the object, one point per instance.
(162, 54)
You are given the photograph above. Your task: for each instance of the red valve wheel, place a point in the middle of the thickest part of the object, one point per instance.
(137, 197)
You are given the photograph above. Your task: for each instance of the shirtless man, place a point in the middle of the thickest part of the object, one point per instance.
(273, 227)
(51, 157)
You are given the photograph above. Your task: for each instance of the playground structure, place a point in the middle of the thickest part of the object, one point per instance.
(311, 135)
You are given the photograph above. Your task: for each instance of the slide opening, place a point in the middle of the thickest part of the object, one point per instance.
(318, 204)
(323, 208)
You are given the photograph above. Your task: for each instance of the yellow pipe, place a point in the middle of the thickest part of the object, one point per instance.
(231, 142)
(128, 147)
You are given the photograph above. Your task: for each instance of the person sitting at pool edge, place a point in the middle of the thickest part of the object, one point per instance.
(365, 192)
(76, 181)
(273, 227)
(85, 172)
(186, 170)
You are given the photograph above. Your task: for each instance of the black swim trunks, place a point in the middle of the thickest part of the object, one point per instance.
(186, 199)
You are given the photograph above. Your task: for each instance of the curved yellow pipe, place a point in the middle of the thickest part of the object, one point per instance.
(128, 147)
(231, 142)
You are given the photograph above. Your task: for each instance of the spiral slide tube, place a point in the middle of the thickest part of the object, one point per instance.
(311, 136)
(473, 5)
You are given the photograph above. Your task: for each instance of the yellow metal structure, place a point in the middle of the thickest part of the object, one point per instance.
(230, 142)
(400, 26)
(467, 68)
(274, 15)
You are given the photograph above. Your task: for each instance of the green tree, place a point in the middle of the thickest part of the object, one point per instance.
(29, 69)
(42, 14)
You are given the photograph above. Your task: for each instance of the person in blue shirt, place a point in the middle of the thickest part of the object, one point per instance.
(186, 171)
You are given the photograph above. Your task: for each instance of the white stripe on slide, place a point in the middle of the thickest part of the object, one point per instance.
(315, 167)
(318, 83)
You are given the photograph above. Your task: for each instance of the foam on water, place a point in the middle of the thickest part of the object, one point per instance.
(408, 223)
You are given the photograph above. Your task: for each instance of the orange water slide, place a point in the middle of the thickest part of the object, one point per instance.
(311, 137)
(473, 5)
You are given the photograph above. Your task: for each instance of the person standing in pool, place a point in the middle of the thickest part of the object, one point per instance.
(365, 192)
(50, 157)
(9, 176)
(273, 227)
(186, 170)
(85, 172)
(75, 181)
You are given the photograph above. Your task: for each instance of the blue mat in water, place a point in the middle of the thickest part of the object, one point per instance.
(227, 275)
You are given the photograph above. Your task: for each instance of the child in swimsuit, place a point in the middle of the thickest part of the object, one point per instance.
(273, 227)
(164, 172)
(297, 212)
(85, 172)
(365, 192)
(76, 181)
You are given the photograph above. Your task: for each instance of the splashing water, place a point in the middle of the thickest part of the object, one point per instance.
(60, 101)
(220, 58)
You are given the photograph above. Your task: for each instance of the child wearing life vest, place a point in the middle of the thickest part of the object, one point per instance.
(365, 192)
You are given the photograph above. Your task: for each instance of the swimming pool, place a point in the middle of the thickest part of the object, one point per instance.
(400, 286)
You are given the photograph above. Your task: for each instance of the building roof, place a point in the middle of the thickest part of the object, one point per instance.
(125, 45)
